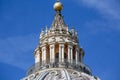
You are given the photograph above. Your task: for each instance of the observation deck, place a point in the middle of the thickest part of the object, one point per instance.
(56, 64)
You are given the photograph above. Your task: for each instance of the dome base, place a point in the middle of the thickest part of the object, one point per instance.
(60, 74)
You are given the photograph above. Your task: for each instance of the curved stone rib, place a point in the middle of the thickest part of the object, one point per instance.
(43, 75)
(67, 75)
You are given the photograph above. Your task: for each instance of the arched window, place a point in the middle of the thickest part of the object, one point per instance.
(65, 56)
(56, 57)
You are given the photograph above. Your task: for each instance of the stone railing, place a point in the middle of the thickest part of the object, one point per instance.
(56, 64)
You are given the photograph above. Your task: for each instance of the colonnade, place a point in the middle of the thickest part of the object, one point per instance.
(43, 54)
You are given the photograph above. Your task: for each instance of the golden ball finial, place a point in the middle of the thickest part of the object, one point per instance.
(58, 6)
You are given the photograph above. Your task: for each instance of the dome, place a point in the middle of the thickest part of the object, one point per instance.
(58, 6)
(61, 74)
(59, 55)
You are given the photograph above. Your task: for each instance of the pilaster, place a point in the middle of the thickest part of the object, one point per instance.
(77, 55)
(37, 56)
(52, 53)
(44, 54)
(61, 52)
(70, 53)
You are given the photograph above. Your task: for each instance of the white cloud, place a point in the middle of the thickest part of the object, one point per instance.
(110, 12)
(98, 26)
(18, 51)
(110, 8)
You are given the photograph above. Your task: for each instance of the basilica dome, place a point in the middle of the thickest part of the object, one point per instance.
(59, 55)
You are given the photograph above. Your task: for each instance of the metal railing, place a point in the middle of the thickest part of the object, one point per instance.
(59, 64)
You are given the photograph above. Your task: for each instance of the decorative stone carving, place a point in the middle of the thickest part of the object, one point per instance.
(61, 74)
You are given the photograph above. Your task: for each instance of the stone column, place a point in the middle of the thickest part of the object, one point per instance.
(52, 53)
(37, 59)
(37, 56)
(44, 54)
(61, 52)
(71, 50)
(81, 55)
(77, 56)
(68, 54)
(62, 47)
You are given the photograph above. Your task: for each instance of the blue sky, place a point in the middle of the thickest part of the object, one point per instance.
(97, 23)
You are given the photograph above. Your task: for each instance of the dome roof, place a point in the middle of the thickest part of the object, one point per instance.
(58, 55)
(60, 74)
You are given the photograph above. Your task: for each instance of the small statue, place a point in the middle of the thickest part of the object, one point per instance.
(41, 34)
